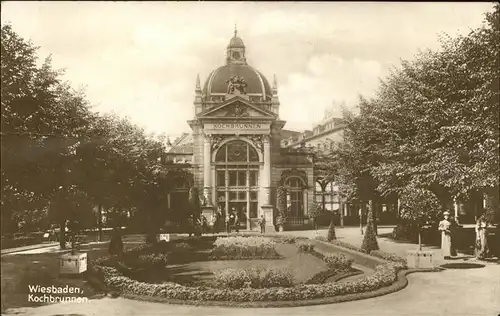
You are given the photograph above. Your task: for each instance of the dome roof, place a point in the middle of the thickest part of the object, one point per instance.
(236, 42)
(256, 82)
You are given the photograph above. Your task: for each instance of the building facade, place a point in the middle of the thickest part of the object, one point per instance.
(238, 153)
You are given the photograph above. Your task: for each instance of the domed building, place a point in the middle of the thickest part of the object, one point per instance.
(238, 153)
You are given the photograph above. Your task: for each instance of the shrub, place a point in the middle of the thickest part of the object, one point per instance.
(154, 259)
(338, 261)
(370, 239)
(405, 232)
(331, 231)
(256, 278)
(235, 248)
(387, 256)
(289, 239)
(232, 278)
(346, 245)
(183, 247)
(305, 247)
(254, 288)
(384, 275)
(320, 238)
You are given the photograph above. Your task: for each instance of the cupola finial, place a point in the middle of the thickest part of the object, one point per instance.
(235, 30)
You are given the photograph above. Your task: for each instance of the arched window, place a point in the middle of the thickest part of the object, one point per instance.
(236, 151)
(295, 199)
(237, 179)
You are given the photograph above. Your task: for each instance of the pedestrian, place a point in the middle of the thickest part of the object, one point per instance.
(213, 223)
(237, 222)
(262, 224)
(445, 226)
(228, 223)
(204, 224)
(481, 247)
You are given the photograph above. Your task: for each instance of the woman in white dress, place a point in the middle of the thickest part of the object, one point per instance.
(445, 226)
(481, 249)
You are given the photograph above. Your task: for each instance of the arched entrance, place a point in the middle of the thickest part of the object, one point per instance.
(237, 180)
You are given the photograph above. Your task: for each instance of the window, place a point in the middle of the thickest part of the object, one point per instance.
(236, 151)
(239, 162)
(330, 195)
(253, 178)
(295, 200)
(221, 178)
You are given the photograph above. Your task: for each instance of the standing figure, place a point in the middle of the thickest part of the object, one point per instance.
(445, 226)
(236, 222)
(481, 247)
(262, 224)
(228, 222)
(214, 222)
(190, 225)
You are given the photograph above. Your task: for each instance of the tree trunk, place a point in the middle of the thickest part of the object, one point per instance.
(62, 233)
(99, 222)
(341, 209)
(323, 201)
(375, 204)
(361, 211)
(492, 205)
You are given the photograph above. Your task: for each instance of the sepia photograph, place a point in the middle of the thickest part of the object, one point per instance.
(250, 158)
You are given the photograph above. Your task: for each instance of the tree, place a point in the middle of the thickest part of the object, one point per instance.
(54, 147)
(419, 206)
(331, 231)
(370, 238)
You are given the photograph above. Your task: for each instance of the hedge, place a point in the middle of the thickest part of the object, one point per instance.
(239, 248)
(384, 275)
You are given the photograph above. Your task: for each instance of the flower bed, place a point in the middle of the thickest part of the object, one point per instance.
(253, 285)
(239, 248)
(338, 265)
(375, 253)
(256, 278)
(305, 247)
(383, 276)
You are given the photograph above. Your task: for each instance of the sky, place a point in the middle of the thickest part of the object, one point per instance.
(141, 59)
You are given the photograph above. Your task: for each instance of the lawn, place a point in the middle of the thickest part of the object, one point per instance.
(303, 267)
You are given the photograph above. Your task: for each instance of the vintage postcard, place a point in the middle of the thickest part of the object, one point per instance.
(250, 158)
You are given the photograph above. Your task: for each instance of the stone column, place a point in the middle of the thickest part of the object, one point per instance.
(267, 207)
(207, 170)
(208, 209)
(266, 176)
